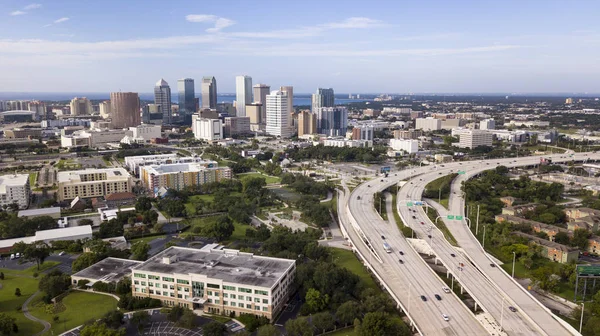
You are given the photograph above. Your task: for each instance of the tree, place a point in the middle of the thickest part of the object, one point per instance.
(99, 328)
(37, 251)
(84, 260)
(545, 278)
(315, 301)
(140, 250)
(299, 327)
(143, 204)
(140, 319)
(113, 319)
(188, 320)
(18, 291)
(6, 324)
(381, 324)
(54, 283)
(221, 229)
(580, 238)
(175, 313)
(562, 238)
(268, 330)
(347, 312)
(323, 321)
(214, 328)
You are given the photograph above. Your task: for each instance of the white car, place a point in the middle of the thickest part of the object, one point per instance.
(445, 317)
(446, 289)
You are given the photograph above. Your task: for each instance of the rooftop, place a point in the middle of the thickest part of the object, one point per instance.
(39, 212)
(108, 270)
(12, 180)
(75, 175)
(177, 167)
(544, 242)
(56, 234)
(227, 265)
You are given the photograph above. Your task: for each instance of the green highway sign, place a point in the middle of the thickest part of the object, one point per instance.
(459, 217)
(450, 217)
(409, 203)
(589, 270)
(461, 172)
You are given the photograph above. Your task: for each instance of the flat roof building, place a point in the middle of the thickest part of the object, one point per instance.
(475, 138)
(216, 281)
(181, 175)
(134, 163)
(15, 189)
(53, 212)
(90, 183)
(106, 270)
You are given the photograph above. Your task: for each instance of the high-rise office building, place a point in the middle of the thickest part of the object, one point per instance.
(81, 106)
(187, 104)
(209, 92)
(289, 91)
(322, 98)
(332, 121)
(124, 109)
(260, 96)
(243, 94)
(307, 123)
(104, 108)
(278, 114)
(162, 97)
(254, 112)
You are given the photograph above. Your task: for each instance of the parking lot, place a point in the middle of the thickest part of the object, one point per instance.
(169, 329)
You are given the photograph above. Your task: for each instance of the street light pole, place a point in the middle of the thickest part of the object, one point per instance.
(484, 227)
(513, 268)
(477, 225)
(440, 194)
(581, 321)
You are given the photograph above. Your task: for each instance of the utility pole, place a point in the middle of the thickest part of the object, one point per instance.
(440, 194)
(581, 320)
(484, 227)
(477, 225)
(513, 265)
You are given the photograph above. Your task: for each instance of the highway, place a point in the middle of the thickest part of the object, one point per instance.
(490, 286)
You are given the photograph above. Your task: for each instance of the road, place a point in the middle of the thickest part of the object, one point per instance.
(410, 279)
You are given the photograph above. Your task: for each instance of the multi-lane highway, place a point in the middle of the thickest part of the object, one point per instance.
(489, 285)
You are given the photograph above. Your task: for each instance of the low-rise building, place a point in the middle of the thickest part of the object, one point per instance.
(145, 132)
(578, 213)
(443, 157)
(407, 134)
(133, 163)
(53, 212)
(341, 142)
(19, 133)
(409, 146)
(551, 250)
(181, 175)
(550, 230)
(49, 236)
(517, 210)
(475, 138)
(216, 281)
(106, 270)
(428, 124)
(90, 183)
(207, 129)
(15, 189)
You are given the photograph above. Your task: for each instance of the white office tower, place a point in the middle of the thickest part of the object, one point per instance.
(289, 91)
(278, 114)
(487, 124)
(162, 98)
(207, 129)
(243, 94)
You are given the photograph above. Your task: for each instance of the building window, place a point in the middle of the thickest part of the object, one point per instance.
(179, 296)
(248, 306)
(261, 292)
(151, 291)
(143, 283)
(232, 296)
(241, 305)
(209, 293)
(225, 295)
(184, 282)
(240, 297)
(135, 282)
(265, 301)
(150, 284)
(248, 298)
(209, 285)
(217, 301)
(257, 300)
(139, 275)
(256, 308)
(244, 290)
(164, 286)
(168, 279)
(231, 288)
(265, 309)
(165, 293)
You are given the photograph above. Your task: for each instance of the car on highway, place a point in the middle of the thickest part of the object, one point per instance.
(453, 255)
(401, 253)
(368, 185)
(438, 297)
(381, 180)
(512, 309)
(445, 317)
(422, 223)
(401, 261)
(358, 198)
(414, 217)
(428, 236)
(382, 237)
(446, 289)
(492, 265)
(423, 298)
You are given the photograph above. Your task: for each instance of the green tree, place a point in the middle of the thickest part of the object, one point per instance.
(188, 320)
(37, 251)
(84, 260)
(143, 204)
(580, 238)
(113, 319)
(99, 328)
(175, 313)
(381, 324)
(545, 278)
(18, 291)
(214, 328)
(268, 330)
(347, 312)
(6, 324)
(323, 321)
(315, 300)
(562, 238)
(221, 229)
(140, 250)
(54, 283)
(299, 327)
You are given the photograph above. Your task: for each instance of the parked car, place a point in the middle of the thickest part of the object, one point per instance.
(438, 297)
(423, 298)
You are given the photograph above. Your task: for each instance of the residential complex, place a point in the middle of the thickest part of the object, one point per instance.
(307, 123)
(133, 163)
(216, 281)
(15, 189)
(475, 138)
(92, 183)
(181, 175)
(80, 106)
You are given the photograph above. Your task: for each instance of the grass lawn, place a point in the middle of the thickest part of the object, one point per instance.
(146, 239)
(9, 302)
(268, 179)
(444, 202)
(32, 179)
(239, 232)
(33, 269)
(433, 214)
(347, 259)
(79, 307)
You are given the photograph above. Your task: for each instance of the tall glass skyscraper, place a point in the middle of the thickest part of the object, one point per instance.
(187, 103)
(322, 98)
(162, 98)
(332, 121)
(243, 94)
(209, 92)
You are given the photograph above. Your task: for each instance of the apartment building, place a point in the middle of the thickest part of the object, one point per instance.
(181, 175)
(475, 138)
(550, 250)
(92, 183)
(217, 281)
(428, 124)
(134, 163)
(15, 189)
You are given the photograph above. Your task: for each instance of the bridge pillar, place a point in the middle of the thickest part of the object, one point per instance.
(447, 274)
(475, 309)
(461, 290)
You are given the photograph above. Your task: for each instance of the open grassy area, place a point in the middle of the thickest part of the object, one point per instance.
(239, 232)
(406, 231)
(67, 164)
(269, 179)
(347, 259)
(432, 214)
(77, 308)
(146, 239)
(9, 302)
(32, 179)
(29, 271)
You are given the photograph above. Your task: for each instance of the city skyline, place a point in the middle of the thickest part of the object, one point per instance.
(460, 47)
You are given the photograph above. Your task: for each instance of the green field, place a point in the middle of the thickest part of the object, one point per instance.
(79, 307)
(269, 179)
(239, 232)
(348, 260)
(32, 179)
(9, 302)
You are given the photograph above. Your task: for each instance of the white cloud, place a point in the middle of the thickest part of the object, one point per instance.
(352, 23)
(15, 13)
(219, 22)
(32, 6)
(62, 19)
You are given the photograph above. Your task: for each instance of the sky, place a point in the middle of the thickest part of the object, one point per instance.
(393, 46)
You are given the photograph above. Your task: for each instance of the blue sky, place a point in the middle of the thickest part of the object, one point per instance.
(391, 46)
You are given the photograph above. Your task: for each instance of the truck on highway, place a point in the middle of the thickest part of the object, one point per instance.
(387, 247)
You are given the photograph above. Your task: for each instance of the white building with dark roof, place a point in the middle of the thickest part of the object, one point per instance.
(15, 189)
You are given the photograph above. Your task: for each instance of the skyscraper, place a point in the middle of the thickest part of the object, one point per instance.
(187, 104)
(80, 106)
(322, 98)
(260, 96)
(278, 114)
(124, 109)
(307, 123)
(243, 94)
(289, 91)
(162, 98)
(209, 92)
(332, 121)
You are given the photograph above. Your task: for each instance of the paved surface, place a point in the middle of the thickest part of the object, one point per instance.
(532, 315)
(412, 278)
(25, 311)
